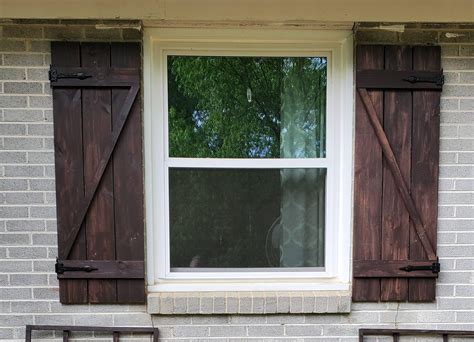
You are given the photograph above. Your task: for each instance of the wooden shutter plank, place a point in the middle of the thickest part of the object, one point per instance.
(367, 180)
(67, 109)
(97, 129)
(128, 175)
(395, 219)
(425, 160)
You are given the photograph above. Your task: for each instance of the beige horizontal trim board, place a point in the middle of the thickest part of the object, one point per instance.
(296, 24)
(245, 10)
(252, 35)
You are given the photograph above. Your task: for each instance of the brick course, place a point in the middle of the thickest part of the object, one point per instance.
(28, 287)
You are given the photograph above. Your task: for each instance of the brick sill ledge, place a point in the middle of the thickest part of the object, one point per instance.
(247, 303)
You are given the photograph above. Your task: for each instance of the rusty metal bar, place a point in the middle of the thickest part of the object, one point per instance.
(396, 333)
(115, 331)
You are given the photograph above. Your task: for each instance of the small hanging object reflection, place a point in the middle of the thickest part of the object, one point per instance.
(249, 95)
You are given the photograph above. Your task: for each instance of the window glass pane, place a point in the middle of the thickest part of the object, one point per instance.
(247, 107)
(246, 218)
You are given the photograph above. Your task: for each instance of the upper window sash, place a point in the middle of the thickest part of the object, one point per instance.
(246, 107)
(252, 50)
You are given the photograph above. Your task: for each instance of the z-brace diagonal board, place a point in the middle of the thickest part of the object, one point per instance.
(397, 175)
(85, 203)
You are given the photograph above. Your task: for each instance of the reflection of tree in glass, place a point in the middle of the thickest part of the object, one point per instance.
(210, 114)
(237, 107)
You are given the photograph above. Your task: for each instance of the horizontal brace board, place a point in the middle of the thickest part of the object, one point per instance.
(93, 77)
(406, 79)
(391, 269)
(106, 269)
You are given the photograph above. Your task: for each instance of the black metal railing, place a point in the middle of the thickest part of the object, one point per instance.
(67, 330)
(397, 333)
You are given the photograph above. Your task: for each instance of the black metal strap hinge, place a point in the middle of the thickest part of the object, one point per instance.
(435, 267)
(60, 268)
(438, 79)
(54, 75)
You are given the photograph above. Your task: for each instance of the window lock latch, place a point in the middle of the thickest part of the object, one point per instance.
(435, 267)
(60, 268)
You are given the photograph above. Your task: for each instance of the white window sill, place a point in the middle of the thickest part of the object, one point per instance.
(191, 303)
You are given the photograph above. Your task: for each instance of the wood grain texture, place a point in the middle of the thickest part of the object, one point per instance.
(390, 269)
(425, 166)
(82, 208)
(367, 180)
(392, 163)
(67, 108)
(100, 167)
(105, 269)
(128, 179)
(406, 128)
(98, 76)
(97, 129)
(395, 236)
(396, 79)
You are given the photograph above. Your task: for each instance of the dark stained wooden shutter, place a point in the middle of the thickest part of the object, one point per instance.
(396, 172)
(99, 174)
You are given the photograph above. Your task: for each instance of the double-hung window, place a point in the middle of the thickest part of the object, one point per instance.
(248, 154)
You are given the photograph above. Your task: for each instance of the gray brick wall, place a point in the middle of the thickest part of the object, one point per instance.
(28, 288)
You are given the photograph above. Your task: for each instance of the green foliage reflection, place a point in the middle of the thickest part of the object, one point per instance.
(242, 107)
(231, 107)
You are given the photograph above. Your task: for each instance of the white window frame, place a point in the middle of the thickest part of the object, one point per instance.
(337, 47)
